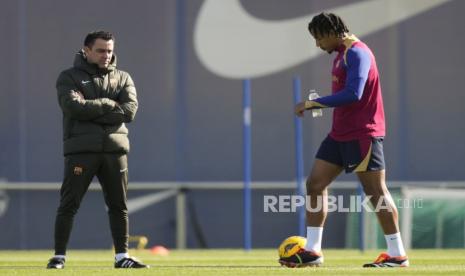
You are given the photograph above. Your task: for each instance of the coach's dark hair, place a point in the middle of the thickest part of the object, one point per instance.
(91, 37)
(326, 23)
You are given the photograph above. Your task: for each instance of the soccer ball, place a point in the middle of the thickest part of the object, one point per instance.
(291, 246)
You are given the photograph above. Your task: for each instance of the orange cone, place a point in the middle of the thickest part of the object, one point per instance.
(159, 250)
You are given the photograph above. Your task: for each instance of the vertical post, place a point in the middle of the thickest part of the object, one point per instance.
(299, 158)
(247, 151)
(181, 220)
(362, 220)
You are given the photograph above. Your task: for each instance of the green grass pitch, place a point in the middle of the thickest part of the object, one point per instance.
(229, 262)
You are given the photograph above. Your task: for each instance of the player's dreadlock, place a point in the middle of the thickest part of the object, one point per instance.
(326, 23)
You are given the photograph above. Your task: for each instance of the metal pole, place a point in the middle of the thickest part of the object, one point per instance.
(299, 158)
(247, 148)
(181, 220)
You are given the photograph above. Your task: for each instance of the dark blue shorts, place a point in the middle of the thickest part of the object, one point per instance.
(354, 156)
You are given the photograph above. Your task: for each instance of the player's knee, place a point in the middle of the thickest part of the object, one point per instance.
(374, 190)
(314, 186)
(367, 190)
(118, 210)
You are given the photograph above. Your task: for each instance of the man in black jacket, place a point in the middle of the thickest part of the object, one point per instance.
(97, 100)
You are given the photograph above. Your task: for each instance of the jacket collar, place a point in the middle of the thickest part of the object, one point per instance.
(80, 62)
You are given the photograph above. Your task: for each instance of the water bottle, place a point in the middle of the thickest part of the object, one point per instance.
(315, 112)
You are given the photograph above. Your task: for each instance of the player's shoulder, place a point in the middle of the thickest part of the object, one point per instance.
(358, 48)
(358, 51)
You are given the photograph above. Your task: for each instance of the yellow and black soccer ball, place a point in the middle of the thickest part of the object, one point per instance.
(291, 246)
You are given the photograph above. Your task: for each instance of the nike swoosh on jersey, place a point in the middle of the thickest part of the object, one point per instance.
(234, 44)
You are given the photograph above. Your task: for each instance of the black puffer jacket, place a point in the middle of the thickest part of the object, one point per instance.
(97, 122)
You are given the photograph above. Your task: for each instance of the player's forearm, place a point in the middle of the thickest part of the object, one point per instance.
(81, 109)
(344, 97)
(123, 113)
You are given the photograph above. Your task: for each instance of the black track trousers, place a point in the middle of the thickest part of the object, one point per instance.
(111, 170)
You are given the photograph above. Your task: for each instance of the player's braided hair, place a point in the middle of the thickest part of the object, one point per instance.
(326, 23)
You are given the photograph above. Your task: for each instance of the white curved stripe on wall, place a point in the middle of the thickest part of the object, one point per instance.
(232, 43)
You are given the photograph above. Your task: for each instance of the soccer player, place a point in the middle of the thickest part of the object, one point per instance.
(97, 100)
(354, 144)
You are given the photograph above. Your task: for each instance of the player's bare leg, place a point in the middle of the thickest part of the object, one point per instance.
(322, 174)
(374, 185)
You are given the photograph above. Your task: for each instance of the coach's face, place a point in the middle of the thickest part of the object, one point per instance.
(326, 42)
(100, 52)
